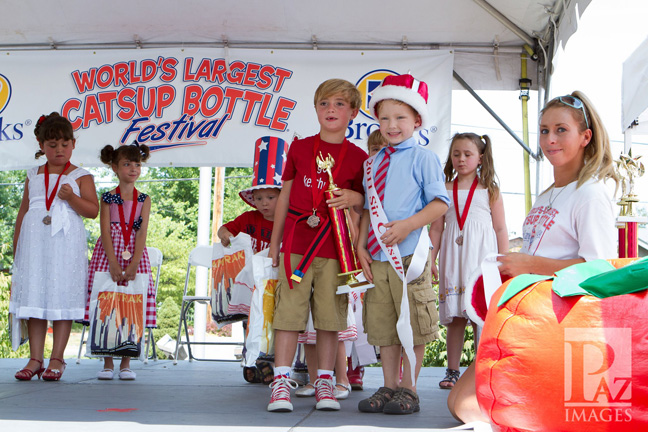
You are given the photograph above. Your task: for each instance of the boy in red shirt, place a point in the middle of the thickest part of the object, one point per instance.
(309, 264)
(269, 155)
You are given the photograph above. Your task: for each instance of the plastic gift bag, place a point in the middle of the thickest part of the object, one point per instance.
(228, 262)
(244, 285)
(18, 331)
(117, 317)
(259, 343)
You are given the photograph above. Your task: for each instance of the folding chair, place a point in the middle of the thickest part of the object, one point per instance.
(199, 256)
(155, 257)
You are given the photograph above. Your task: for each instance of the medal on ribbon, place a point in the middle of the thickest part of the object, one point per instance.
(314, 220)
(127, 229)
(49, 198)
(461, 220)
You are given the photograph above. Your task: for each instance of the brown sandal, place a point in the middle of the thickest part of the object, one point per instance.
(405, 401)
(450, 379)
(376, 402)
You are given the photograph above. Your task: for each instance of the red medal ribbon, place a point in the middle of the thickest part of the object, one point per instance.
(49, 198)
(317, 194)
(464, 214)
(127, 229)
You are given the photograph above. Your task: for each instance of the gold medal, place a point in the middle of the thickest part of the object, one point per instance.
(459, 240)
(47, 220)
(313, 220)
(126, 255)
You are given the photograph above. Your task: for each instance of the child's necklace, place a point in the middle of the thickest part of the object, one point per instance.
(127, 228)
(461, 220)
(49, 199)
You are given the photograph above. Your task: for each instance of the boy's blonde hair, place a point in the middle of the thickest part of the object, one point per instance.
(486, 170)
(598, 155)
(333, 86)
(376, 139)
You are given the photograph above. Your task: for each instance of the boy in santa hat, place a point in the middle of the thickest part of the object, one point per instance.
(405, 191)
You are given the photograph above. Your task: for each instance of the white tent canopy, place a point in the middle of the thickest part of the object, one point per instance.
(487, 38)
(635, 91)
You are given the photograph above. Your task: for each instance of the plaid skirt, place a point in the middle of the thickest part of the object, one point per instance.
(99, 263)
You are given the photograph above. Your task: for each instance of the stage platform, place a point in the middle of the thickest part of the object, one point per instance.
(192, 396)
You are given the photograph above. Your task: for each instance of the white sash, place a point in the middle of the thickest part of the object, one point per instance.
(417, 264)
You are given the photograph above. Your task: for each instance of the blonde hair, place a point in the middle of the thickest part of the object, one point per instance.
(486, 170)
(330, 87)
(598, 155)
(375, 138)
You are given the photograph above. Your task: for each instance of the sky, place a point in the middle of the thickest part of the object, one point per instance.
(608, 32)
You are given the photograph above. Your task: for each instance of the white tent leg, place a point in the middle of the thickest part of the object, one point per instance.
(204, 228)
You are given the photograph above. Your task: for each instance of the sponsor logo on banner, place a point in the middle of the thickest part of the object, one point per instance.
(361, 128)
(8, 131)
(598, 375)
(207, 93)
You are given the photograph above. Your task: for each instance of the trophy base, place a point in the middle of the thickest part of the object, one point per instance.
(359, 284)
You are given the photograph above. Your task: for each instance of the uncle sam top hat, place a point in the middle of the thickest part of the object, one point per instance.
(269, 157)
(404, 88)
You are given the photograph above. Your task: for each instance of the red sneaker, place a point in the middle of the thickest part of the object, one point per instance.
(324, 394)
(280, 399)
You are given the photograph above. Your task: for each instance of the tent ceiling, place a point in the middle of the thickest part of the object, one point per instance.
(70, 23)
(487, 48)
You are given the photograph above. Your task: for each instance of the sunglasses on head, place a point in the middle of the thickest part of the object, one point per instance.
(574, 102)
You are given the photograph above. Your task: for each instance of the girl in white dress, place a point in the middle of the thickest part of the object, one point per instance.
(50, 252)
(473, 227)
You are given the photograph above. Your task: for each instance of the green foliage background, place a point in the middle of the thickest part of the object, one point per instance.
(172, 229)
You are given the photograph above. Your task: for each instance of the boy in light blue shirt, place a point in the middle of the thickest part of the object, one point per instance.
(405, 191)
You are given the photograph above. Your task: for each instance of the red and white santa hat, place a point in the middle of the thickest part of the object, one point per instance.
(269, 158)
(404, 88)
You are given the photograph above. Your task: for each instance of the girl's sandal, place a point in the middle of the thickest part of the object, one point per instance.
(54, 374)
(450, 379)
(405, 401)
(376, 402)
(26, 374)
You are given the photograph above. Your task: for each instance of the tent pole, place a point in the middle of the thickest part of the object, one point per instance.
(470, 90)
(200, 315)
(525, 85)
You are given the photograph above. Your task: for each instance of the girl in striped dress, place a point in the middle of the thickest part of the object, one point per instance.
(121, 249)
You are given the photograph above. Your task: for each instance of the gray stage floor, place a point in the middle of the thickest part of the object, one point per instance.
(191, 397)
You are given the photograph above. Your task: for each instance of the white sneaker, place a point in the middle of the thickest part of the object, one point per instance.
(280, 399)
(324, 394)
(341, 391)
(306, 391)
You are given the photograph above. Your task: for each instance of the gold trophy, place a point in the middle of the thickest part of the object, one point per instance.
(342, 234)
(627, 169)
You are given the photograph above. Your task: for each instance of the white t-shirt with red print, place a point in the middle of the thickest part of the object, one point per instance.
(580, 223)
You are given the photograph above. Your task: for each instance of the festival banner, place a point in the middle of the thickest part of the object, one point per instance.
(198, 106)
